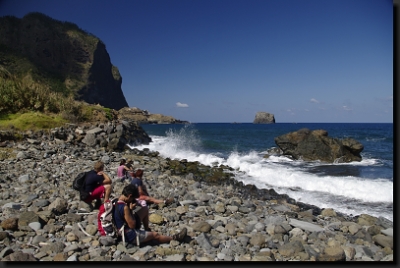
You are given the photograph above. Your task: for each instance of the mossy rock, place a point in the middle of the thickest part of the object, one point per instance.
(7, 153)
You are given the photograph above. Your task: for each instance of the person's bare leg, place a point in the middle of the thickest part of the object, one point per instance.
(150, 199)
(164, 238)
(143, 214)
(154, 200)
(107, 194)
(158, 237)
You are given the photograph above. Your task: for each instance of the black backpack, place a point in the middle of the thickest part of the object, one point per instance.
(78, 184)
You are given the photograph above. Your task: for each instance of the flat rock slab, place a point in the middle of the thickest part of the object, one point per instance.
(383, 241)
(306, 226)
(388, 232)
(94, 130)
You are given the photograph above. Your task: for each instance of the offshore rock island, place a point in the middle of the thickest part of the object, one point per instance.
(264, 118)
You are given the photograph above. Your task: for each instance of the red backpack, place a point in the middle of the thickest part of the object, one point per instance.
(105, 220)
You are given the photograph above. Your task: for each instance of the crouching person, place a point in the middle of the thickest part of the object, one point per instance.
(97, 184)
(127, 212)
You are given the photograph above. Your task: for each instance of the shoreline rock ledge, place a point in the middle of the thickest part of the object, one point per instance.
(311, 145)
(264, 118)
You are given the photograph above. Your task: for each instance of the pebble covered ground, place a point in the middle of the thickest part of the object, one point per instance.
(42, 218)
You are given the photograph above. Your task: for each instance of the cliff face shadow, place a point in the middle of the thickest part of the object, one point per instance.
(102, 86)
(62, 56)
(47, 44)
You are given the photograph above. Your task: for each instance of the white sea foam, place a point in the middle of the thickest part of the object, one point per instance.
(376, 139)
(345, 194)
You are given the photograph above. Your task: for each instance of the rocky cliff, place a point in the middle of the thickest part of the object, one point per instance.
(264, 118)
(144, 117)
(112, 136)
(68, 58)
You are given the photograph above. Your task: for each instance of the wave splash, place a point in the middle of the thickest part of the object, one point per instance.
(347, 194)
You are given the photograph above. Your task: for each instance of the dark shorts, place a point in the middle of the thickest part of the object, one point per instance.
(132, 234)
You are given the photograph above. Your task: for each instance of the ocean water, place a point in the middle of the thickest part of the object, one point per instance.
(355, 188)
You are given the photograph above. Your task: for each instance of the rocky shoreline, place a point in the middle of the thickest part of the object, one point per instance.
(42, 218)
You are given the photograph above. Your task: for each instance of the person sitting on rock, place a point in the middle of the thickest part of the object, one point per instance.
(127, 212)
(123, 171)
(143, 194)
(97, 184)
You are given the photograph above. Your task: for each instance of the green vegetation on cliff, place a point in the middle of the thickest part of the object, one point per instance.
(30, 121)
(47, 65)
(52, 72)
(45, 73)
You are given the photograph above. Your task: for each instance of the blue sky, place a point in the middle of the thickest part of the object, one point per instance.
(226, 60)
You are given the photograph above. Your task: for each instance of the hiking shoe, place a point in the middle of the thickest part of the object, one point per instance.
(179, 237)
(169, 201)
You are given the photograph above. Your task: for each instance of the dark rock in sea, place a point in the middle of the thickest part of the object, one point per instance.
(264, 118)
(312, 145)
